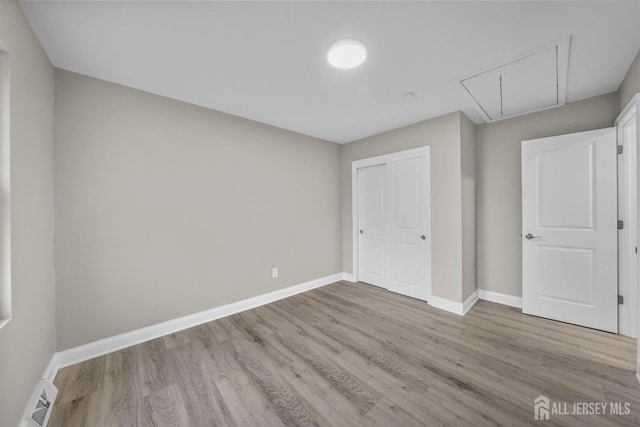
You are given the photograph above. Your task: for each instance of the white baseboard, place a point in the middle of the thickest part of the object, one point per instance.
(447, 305)
(469, 302)
(51, 370)
(499, 298)
(349, 277)
(454, 307)
(98, 348)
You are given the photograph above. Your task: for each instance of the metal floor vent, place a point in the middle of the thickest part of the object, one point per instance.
(42, 405)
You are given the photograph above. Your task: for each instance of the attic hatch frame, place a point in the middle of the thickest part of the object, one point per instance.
(562, 66)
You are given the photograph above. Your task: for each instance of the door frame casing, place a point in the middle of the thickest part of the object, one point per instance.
(635, 103)
(424, 152)
(628, 284)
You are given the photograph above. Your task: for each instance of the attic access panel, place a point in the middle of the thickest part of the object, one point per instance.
(532, 82)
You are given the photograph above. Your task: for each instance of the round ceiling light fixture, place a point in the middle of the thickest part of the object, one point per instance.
(346, 53)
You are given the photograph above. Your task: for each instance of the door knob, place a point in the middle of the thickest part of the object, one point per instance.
(423, 237)
(530, 236)
(361, 232)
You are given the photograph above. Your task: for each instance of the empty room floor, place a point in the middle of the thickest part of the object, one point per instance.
(354, 354)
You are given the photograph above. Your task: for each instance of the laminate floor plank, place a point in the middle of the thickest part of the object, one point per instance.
(295, 323)
(279, 355)
(175, 340)
(202, 400)
(83, 379)
(356, 392)
(154, 372)
(249, 406)
(288, 405)
(355, 355)
(166, 408)
(318, 392)
(72, 413)
(121, 397)
(386, 413)
(414, 397)
(214, 351)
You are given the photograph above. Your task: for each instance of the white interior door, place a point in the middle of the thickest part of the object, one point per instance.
(569, 228)
(406, 229)
(394, 223)
(372, 235)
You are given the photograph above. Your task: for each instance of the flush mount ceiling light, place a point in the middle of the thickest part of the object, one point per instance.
(346, 53)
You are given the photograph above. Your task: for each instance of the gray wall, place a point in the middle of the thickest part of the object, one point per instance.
(498, 181)
(443, 135)
(164, 209)
(468, 165)
(27, 342)
(630, 85)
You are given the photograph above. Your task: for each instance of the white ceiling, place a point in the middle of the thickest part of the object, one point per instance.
(266, 60)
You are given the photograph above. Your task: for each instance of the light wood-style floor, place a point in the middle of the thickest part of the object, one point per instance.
(354, 354)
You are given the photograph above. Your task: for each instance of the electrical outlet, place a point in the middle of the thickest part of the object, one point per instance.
(274, 272)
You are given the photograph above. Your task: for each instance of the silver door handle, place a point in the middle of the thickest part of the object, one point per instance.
(530, 236)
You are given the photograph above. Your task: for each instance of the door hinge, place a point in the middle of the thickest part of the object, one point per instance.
(620, 299)
(620, 224)
(620, 149)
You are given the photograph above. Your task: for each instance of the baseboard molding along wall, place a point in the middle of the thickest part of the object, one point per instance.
(349, 277)
(469, 302)
(88, 351)
(462, 309)
(499, 298)
(454, 307)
